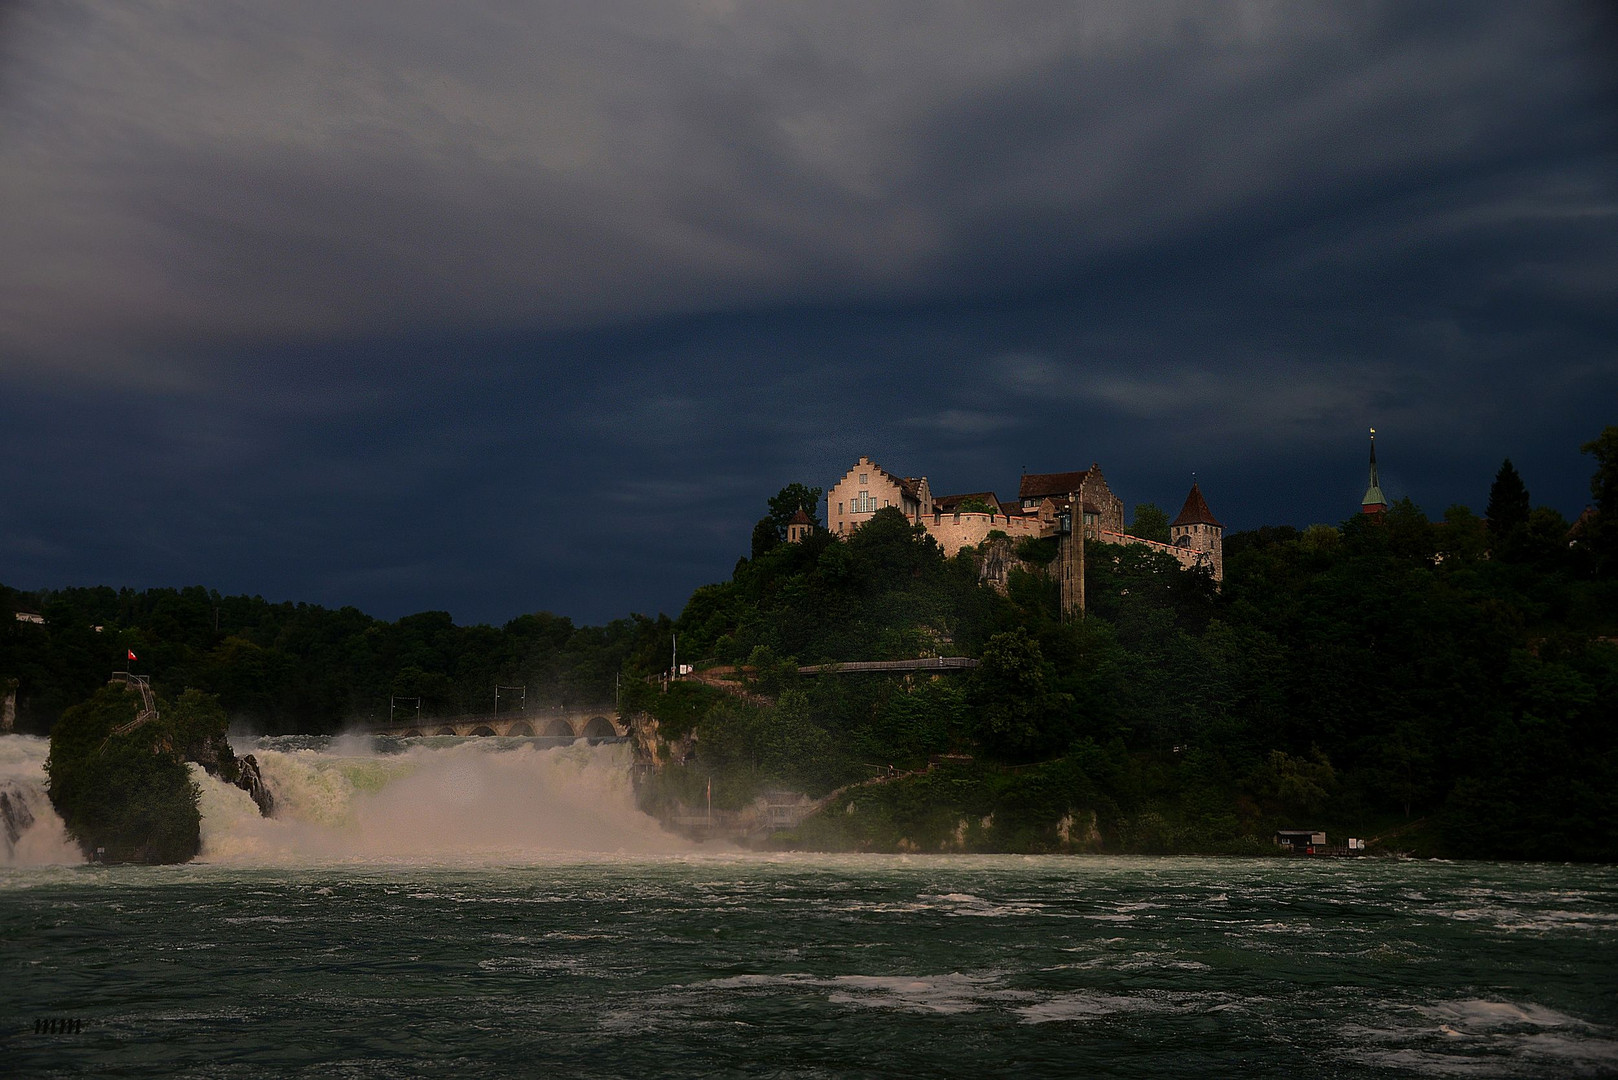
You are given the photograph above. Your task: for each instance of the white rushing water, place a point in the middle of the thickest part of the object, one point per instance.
(31, 833)
(438, 800)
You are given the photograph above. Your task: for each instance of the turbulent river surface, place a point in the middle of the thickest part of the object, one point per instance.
(502, 910)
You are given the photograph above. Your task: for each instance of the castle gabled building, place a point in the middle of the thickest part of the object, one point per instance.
(867, 488)
(1046, 494)
(967, 520)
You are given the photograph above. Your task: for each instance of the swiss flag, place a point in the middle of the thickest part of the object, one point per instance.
(132, 654)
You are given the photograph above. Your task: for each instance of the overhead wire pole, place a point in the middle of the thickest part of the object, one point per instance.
(522, 689)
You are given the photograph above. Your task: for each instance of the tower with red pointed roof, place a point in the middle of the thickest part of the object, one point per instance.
(799, 526)
(1199, 531)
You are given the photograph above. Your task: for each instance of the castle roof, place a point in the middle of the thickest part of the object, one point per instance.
(1041, 485)
(800, 518)
(1195, 511)
(948, 503)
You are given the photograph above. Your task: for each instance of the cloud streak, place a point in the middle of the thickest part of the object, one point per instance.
(321, 283)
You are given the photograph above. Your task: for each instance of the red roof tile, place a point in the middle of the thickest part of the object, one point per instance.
(1040, 485)
(1195, 511)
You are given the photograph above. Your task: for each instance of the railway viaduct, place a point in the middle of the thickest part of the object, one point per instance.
(560, 723)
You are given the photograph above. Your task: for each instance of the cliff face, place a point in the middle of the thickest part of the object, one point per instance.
(124, 790)
(15, 817)
(214, 754)
(252, 782)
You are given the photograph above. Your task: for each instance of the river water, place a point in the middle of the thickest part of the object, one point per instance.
(566, 935)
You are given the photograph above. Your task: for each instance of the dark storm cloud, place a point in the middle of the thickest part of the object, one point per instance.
(493, 307)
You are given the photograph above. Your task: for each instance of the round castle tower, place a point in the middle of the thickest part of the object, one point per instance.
(1196, 528)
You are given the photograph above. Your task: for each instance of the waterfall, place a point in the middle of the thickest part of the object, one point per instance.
(433, 800)
(31, 833)
(476, 800)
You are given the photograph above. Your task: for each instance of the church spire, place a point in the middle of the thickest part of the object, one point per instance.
(1374, 502)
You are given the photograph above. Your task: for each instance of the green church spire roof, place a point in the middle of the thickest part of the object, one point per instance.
(1374, 499)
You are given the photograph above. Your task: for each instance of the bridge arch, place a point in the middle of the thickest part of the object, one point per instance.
(559, 728)
(520, 728)
(482, 729)
(445, 731)
(599, 727)
(412, 733)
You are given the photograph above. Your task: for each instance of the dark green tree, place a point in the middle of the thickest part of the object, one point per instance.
(1462, 536)
(127, 797)
(788, 501)
(1601, 533)
(767, 536)
(1150, 523)
(1508, 508)
(1019, 715)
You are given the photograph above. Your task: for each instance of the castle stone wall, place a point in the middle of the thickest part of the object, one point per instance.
(956, 531)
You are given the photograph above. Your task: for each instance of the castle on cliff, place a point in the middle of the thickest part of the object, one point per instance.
(1196, 538)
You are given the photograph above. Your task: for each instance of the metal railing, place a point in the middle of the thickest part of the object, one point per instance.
(148, 711)
(856, 667)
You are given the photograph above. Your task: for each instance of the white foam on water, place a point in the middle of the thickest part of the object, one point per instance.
(1480, 1015)
(944, 994)
(474, 800)
(952, 993)
(43, 841)
(966, 904)
(1085, 1006)
(1493, 1038)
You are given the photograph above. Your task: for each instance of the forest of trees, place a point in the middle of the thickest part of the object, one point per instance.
(1451, 685)
(296, 668)
(1448, 684)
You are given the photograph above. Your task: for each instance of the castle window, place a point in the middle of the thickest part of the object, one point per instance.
(865, 503)
(864, 479)
(839, 509)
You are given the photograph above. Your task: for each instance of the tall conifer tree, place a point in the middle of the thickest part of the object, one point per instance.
(1508, 503)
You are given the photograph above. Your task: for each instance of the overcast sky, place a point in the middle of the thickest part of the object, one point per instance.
(503, 307)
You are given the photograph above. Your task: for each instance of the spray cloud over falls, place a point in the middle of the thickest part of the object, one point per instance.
(471, 801)
(476, 800)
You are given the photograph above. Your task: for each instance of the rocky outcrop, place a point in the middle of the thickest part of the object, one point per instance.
(251, 781)
(652, 749)
(15, 816)
(218, 759)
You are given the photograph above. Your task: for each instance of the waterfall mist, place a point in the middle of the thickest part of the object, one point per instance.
(476, 800)
(31, 832)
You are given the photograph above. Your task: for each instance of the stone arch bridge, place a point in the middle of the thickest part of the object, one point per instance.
(563, 723)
